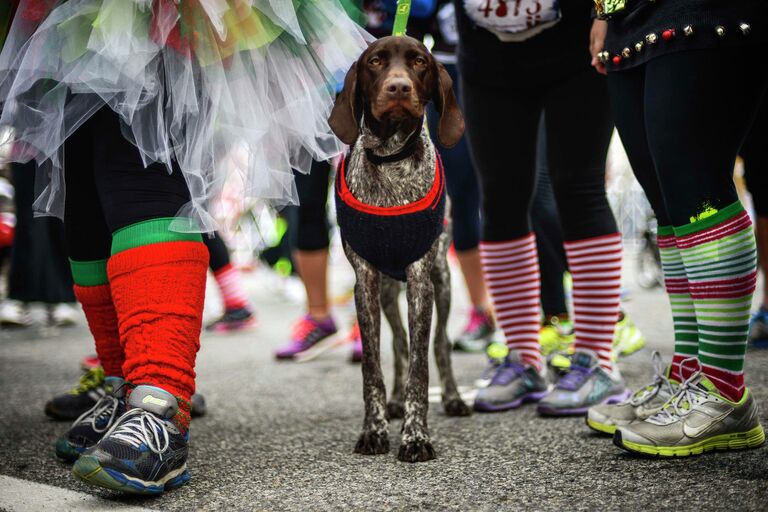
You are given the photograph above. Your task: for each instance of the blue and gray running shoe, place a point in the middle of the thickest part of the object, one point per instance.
(758, 328)
(89, 428)
(512, 384)
(586, 384)
(144, 452)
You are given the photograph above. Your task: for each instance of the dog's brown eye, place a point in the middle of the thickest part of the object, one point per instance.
(375, 61)
(420, 61)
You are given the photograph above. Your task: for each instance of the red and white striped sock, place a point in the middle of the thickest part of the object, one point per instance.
(595, 265)
(511, 271)
(233, 295)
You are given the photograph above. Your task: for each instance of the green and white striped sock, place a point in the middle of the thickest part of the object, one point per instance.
(683, 310)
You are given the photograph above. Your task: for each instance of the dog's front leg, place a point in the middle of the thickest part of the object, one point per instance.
(416, 444)
(390, 291)
(375, 436)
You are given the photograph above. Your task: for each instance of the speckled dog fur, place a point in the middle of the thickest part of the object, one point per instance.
(428, 279)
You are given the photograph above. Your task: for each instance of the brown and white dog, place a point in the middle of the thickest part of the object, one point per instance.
(392, 168)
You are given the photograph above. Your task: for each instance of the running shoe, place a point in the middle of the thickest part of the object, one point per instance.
(356, 356)
(14, 314)
(758, 328)
(585, 385)
(62, 315)
(89, 428)
(556, 335)
(512, 384)
(695, 420)
(627, 338)
(306, 333)
(144, 452)
(644, 403)
(73, 404)
(240, 319)
(199, 407)
(89, 362)
(477, 333)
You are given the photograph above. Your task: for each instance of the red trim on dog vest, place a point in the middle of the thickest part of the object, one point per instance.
(432, 199)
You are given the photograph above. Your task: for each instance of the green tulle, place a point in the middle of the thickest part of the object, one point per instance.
(355, 11)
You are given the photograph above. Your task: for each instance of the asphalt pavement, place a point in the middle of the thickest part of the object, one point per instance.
(279, 436)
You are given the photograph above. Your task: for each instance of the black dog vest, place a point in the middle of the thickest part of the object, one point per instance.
(391, 238)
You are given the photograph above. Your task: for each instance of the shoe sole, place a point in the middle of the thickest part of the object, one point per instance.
(529, 397)
(736, 441)
(89, 470)
(66, 451)
(245, 325)
(602, 428)
(546, 410)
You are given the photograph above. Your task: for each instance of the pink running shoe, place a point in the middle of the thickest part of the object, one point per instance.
(357, 344)
(306, 333)
(90, 362)
(478, 332)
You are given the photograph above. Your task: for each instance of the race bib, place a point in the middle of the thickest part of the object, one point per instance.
(513, 20)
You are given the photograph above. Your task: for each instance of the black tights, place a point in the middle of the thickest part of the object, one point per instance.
(682, 118)
(502, 127)
(108, 187)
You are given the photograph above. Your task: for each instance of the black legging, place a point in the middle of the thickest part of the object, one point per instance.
(502, 125)
(682, 118)
(460, 180)
(310, 232)
(108, 187)
(754, 151)
(545, 220)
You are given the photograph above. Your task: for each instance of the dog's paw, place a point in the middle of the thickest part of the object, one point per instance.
(456, 407)
(395, 410)
(372, 443)
(416, 451)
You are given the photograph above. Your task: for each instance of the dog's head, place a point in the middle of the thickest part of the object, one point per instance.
(391, 83)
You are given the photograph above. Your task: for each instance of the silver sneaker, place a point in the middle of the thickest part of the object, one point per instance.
(512, 383)
(695, 420)
(643, 403)
(585, 385)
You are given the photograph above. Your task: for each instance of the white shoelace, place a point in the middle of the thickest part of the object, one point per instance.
(659, 381)
(137, 427)
(107, 405)
(682, 402)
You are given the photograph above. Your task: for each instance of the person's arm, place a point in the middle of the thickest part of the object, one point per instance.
(597, 43)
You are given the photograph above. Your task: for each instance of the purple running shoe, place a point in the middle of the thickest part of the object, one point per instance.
(586, 384)
(306, 333)
(512, 385)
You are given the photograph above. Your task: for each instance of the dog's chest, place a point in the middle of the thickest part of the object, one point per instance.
(395, 183)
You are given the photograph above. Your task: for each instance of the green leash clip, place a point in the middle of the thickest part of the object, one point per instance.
(402, 12)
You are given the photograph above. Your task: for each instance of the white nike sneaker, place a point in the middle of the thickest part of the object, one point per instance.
(695, 420)
(642, 404)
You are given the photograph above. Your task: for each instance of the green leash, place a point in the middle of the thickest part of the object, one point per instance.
(401, 17)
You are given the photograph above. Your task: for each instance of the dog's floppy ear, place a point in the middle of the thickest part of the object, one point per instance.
(343, 120)
(451, 126)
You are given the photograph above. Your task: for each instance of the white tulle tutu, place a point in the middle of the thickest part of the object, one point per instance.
(218, 86)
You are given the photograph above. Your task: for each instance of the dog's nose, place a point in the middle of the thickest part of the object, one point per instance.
(398, 87)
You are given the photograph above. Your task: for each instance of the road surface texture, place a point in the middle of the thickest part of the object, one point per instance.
(279, 436)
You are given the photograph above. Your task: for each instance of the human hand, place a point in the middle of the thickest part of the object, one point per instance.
(597, 43)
